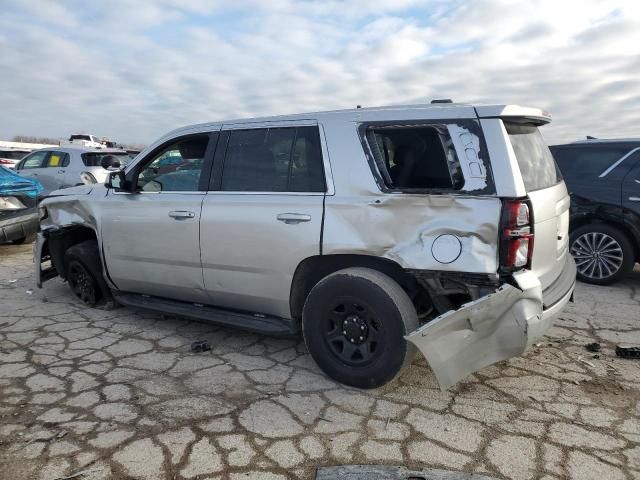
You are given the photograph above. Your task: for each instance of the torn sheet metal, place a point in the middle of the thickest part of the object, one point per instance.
(480, 333)
(467, 147)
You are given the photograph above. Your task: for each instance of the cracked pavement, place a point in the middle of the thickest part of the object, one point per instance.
(118, 394)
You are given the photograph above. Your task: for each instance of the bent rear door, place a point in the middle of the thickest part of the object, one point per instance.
(549, 200)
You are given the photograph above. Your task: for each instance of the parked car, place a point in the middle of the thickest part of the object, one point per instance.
(62, 167)
(370, 231)
(87, 141)
(603, 178)
(18, 207)
(10, 157)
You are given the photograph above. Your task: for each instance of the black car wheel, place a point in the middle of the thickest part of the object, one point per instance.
(354, 322)
(603, 254)
(83, 272)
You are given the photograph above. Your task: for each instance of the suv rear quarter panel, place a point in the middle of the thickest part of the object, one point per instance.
(361, 219)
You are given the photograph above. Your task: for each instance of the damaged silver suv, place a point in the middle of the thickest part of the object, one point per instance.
(370, 231)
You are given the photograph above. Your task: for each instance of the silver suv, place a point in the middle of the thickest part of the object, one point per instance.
(370, 231)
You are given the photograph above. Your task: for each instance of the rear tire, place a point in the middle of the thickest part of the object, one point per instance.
(603, 253)
(83, 272)
(354, 322)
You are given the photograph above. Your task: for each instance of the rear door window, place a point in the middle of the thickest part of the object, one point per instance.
(281, 159)
(57, 160)
(537, 166)
(589, 161)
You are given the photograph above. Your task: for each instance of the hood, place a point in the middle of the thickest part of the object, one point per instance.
(11, 183)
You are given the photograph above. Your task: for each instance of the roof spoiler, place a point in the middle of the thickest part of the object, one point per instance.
(515, 113)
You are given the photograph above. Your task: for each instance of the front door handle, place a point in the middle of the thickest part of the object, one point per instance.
(60, 171)
(634, 199)
(180, 214)
(293, 218)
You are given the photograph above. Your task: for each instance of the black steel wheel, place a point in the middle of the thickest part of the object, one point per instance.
(354, 322)
(82, 283)
(83, 272)
(352, 332)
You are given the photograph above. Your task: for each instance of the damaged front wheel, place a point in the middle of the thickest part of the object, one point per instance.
(354, 322)
(83, 272)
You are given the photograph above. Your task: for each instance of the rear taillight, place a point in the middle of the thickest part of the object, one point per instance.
(4, 161)
(516, 243)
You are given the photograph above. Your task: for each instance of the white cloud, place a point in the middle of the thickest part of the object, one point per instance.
(133, 70)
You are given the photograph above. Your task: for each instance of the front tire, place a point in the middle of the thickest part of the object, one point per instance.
(603, 254)
(83, 272)
(354, 322)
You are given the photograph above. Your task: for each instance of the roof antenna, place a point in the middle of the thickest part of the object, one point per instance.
(358, 106)
(589, 137)
(441, 100)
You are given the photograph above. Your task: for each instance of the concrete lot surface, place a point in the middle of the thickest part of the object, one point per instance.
(118, 394)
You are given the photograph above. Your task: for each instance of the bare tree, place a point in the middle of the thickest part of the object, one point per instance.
(34, 139)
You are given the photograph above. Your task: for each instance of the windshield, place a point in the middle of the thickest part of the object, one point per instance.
(537, 166)
(94, 159)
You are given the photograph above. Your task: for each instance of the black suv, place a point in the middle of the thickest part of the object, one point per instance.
(603, 178)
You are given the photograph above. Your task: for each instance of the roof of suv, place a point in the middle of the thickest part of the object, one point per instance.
(382, 113)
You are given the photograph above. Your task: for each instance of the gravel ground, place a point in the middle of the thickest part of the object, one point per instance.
(118, 394)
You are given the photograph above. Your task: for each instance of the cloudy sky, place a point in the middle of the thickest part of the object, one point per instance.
(132, 70)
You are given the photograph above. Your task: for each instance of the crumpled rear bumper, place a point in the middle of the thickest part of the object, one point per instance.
(493, 328)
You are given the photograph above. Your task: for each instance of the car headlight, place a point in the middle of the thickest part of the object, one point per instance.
(87, 178)
(11, 203)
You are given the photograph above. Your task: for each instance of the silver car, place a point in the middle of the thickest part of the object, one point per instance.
(371, 232)
(62, 167)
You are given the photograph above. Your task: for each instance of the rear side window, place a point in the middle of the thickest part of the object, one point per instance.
(285, 159)
(415, 157)
(57, 160)
(588, 161)
(537, 166)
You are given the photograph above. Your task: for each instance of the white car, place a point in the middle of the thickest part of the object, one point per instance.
(84, 140)
(62, 167)
(10, 157)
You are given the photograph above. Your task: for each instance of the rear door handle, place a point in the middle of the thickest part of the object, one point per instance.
(293, 218)
(179, 214)
(60, 171)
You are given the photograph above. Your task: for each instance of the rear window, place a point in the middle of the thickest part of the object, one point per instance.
(12, 154)
(94, 159)
(537, 166)
(79, 137)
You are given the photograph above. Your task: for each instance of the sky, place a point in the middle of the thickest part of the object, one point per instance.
(133, 70)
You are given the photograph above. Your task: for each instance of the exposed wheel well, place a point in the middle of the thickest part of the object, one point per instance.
(59, 241)
(578, 222)
(313, 269)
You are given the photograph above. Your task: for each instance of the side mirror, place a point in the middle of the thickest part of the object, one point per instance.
(116, 180)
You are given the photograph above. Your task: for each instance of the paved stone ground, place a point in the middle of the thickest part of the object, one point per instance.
(118, 394)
